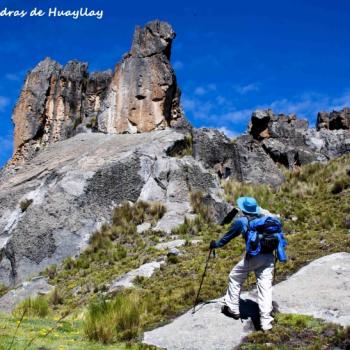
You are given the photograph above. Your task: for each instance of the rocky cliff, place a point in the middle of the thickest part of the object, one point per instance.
(58, 102)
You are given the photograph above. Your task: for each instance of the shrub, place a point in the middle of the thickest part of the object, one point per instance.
(69, 263)
(56, 298)
(182, 148)
(32, 307)
(25, 204)
(172, 259)
(3, 289)
(199, 206)
(340, 184)
(157, 210)
(119, 319)
(51, 271)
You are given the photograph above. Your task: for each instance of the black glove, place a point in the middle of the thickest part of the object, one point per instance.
(212, 245)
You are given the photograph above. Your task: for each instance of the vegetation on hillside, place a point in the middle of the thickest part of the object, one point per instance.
(313, 203)
(298, 332)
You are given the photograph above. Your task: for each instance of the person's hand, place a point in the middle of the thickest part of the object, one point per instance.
(212, 245)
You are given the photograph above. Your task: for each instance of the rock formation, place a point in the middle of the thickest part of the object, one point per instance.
(51, 206)
(55, 103)
(243, 159)
(58, 102)
(335, 120)
(270, 140)
(143, 95)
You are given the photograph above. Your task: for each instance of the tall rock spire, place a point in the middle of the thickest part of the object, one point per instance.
(144, 95)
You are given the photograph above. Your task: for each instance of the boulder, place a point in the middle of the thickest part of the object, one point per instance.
(29, 289)
(126, 281)
(327, 297)
(290, 142)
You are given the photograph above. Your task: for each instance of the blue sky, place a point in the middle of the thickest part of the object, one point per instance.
(230, 57)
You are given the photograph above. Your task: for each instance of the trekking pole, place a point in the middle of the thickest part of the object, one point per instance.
(274, 270)
(200, 286)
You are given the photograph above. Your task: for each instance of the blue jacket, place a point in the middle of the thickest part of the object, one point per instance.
(239, 226)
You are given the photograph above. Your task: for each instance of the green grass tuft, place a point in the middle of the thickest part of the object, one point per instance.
(32, 307)
(25, 204)
(119, 319)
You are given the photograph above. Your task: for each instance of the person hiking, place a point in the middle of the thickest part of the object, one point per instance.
(262, 263)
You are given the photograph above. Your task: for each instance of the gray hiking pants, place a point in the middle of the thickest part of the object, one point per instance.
(262, 265)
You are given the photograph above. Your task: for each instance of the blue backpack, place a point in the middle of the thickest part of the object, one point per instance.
(264, 235)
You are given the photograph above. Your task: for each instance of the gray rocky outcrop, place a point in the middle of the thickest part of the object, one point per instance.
(126, 281)
(271, 140)
(28, 289)
(320, 289)
(290, 142)
(303, 293)
(243, 159)
(50, 206)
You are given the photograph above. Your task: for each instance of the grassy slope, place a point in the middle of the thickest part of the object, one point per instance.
(68, 336)
(313, 203)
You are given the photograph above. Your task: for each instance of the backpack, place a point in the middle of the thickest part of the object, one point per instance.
(264, 235)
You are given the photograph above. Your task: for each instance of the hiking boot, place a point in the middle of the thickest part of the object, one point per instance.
(229, 313)
(266, 328)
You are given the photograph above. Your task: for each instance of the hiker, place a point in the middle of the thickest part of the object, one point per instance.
(261, 261)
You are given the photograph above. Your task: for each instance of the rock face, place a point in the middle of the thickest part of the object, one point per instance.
(143, 95)
(58, 102)
(271, 140)
(289, 140)
(54, 102)
(335, 120)
(52, 204)
(243, 159)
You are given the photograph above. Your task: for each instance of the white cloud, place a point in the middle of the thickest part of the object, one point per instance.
(178, 65)
(228, 132)
(202, 90)
(309, 104)
(4, 102)
(13, 77)
(6, 143)
(243, 89)
(217, 110)
(219, 113)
